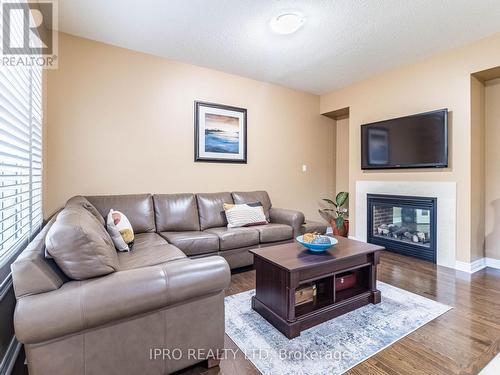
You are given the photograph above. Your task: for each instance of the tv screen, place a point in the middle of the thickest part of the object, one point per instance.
(418, 141)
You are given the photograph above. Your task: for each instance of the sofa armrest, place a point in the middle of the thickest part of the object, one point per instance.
(283, 216)
(80, 305)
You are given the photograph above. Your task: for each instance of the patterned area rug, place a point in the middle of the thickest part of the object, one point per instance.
(334, 346)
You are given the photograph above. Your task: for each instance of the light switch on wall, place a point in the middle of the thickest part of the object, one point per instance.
(304, 168)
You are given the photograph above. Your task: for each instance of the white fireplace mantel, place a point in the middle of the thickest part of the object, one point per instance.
(445, 192)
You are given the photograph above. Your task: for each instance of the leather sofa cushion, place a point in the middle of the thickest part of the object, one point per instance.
(237, 258)
(176, 212)
(261, 196)
(193, 242)
(78, 306)
(80, 245)
(137, 207)
(79, 200)
(149, 249)
(211, 209)
(145, 240)
(289, 217)
(233, 238)
(274, 232)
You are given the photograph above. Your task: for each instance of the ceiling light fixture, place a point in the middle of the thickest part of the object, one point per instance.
(287, 23)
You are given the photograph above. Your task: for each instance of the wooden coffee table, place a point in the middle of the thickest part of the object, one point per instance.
(281, 269)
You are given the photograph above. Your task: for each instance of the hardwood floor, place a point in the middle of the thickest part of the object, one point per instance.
(462, 341)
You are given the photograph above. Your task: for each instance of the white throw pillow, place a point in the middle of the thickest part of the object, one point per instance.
(120, 230)
(244, 215)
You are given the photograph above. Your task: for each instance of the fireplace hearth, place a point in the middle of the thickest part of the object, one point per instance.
(403, 224)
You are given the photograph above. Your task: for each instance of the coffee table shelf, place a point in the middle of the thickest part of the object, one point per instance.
(309, 307)
(350, 293)
(281, 269)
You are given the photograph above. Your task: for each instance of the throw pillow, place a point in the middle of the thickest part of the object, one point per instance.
(120, 230)
(244, 215)
(82, 201)
(80, 246)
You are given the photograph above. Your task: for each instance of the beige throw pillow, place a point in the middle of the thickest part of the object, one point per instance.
(243, 215)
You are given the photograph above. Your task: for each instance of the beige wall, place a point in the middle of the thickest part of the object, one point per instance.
(492, 166)
(442, 81)
(342, 155)
(477, 168)
(118, 121)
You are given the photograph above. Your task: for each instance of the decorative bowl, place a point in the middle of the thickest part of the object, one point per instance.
(317, 247)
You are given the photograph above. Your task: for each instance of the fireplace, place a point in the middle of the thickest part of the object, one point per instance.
(403, 224)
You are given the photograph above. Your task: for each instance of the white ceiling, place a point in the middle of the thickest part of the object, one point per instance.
(342, 41)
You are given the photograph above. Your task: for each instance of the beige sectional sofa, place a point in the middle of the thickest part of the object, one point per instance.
(167, 293)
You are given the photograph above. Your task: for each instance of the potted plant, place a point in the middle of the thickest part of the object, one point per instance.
(337, 215)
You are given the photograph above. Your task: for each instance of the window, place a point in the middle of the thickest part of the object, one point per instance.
(20, 156)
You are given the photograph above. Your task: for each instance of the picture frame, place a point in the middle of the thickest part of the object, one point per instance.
(220, 133)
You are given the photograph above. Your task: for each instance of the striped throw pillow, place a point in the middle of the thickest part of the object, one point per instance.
(244, 215)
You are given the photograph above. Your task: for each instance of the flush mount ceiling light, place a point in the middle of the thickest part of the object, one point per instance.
(287, 23)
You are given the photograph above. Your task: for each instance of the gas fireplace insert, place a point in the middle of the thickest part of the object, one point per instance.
(403, 224)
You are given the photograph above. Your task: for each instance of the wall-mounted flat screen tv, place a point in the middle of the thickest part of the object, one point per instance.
(417, 141)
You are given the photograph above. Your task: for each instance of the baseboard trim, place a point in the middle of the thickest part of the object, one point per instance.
(493, 263)
(472, 267)
(477, 265)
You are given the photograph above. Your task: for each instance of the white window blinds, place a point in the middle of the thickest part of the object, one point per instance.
(20, 156)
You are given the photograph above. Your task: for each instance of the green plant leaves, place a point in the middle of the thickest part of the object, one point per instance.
(330, 201)
(341, 198)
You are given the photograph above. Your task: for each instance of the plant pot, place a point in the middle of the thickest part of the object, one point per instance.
(344, 232)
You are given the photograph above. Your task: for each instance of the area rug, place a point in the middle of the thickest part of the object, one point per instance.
(332, 347)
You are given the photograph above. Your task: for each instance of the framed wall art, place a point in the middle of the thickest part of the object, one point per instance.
(220, 133)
